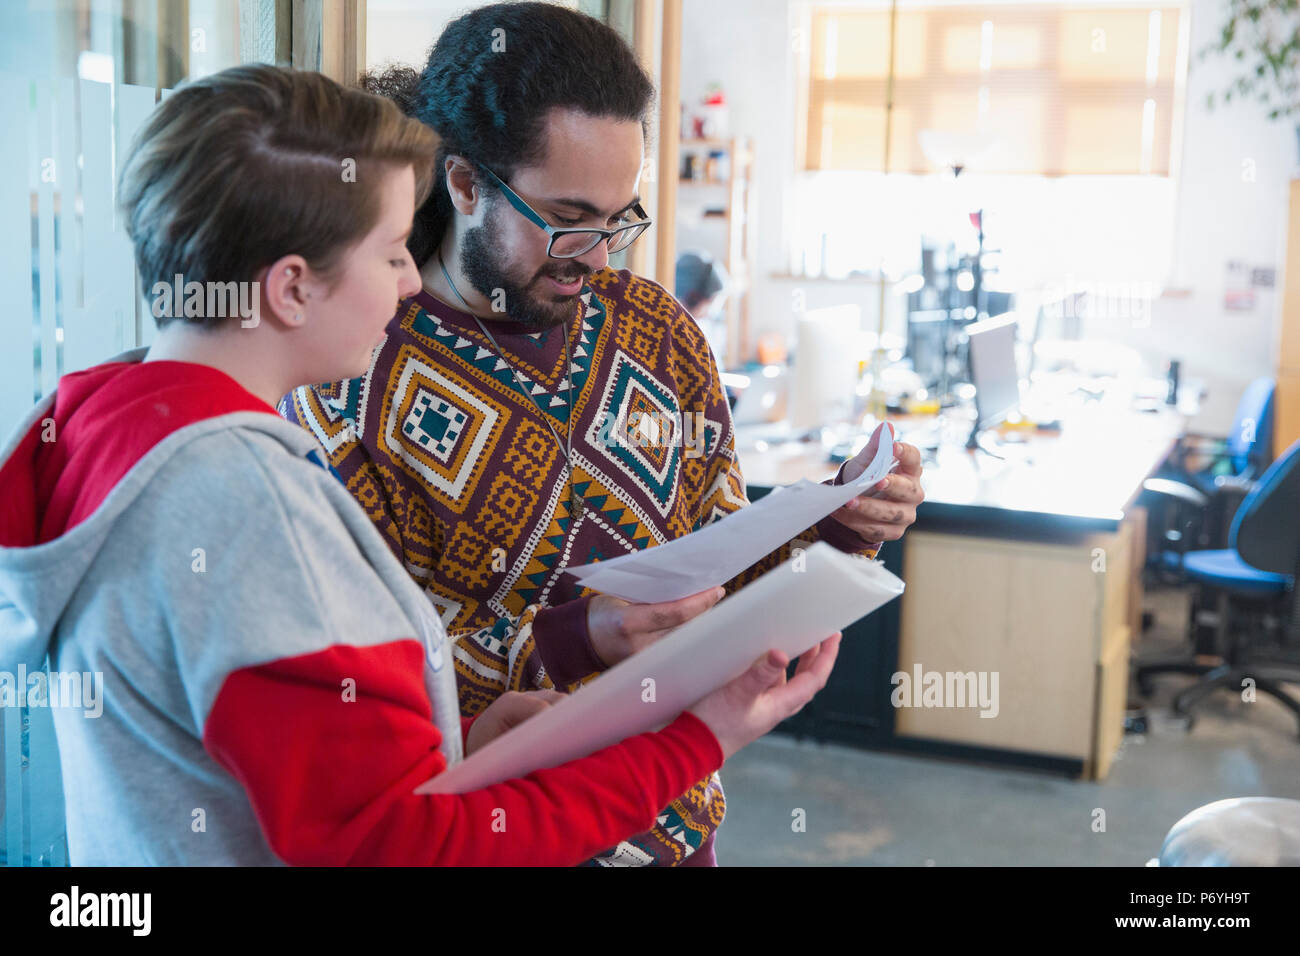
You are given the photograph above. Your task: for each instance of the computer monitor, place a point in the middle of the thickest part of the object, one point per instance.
(998, 303)
(992, 351)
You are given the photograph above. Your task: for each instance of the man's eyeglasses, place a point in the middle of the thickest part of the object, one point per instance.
(571, 243)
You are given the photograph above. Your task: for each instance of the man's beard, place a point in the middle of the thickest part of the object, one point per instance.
(532, 303)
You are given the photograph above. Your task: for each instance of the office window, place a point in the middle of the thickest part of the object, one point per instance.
(1047, 89)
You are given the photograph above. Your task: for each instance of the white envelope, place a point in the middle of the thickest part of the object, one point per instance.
(719, 551)
(791, 608)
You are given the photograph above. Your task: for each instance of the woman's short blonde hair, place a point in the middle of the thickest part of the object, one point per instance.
(237, 169)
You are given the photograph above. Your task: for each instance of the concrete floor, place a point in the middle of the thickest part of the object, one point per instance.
(881, 809)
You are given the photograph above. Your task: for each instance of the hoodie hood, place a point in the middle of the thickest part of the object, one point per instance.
(80, 459)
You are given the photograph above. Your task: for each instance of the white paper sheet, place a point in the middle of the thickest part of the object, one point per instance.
(791, 608)
(718, 552)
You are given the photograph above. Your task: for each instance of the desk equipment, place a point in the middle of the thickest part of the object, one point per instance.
(943, 298)
(992, 351)
(825, 365)
(760, 396)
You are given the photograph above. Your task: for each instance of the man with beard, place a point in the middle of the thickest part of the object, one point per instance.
(532, 409)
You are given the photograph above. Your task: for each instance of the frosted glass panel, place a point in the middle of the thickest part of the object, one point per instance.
(31, 799)
(67, 271)
(17, 368)
(78, 81)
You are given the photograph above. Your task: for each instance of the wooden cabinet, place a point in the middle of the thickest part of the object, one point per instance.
(1286, 428)
(1052, 620)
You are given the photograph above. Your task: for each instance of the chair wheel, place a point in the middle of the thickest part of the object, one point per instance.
(1135, 720)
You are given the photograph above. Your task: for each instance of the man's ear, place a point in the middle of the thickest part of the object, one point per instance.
(286, 291)
(461, 186)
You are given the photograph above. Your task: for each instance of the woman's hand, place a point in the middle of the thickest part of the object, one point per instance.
(759, 699)
(509, 710)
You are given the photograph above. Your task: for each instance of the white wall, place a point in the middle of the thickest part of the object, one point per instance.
(1222, 215)
(403, 31)
(746, 45)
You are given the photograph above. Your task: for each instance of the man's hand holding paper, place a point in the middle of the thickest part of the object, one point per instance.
(719, 551)
(618, 629)
(885, 511)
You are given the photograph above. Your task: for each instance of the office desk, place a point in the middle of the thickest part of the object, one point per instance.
(1028, 568)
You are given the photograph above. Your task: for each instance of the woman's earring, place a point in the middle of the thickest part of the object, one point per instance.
(297, 316)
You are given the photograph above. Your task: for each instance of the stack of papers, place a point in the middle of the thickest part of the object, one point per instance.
(791, 608)
(718, 552)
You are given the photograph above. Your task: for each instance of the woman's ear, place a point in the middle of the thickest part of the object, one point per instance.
(461, 185)
(286, 291)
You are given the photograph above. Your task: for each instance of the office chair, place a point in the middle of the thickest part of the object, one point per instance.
(1192, 505)
(1244, 453)
(1253, 581)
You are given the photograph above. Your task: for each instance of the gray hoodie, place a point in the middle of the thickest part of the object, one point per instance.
(224, 547)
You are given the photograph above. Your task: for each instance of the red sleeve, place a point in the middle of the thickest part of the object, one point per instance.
(465, 724)
(331, 779)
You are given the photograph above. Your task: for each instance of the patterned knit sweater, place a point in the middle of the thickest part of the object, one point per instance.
(458, 470)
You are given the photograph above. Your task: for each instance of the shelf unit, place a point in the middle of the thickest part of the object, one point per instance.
(716, 215)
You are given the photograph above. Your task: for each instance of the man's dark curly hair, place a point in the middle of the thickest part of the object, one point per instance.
(490, 81)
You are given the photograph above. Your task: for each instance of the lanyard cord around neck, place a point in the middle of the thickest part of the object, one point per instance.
(575, 499)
